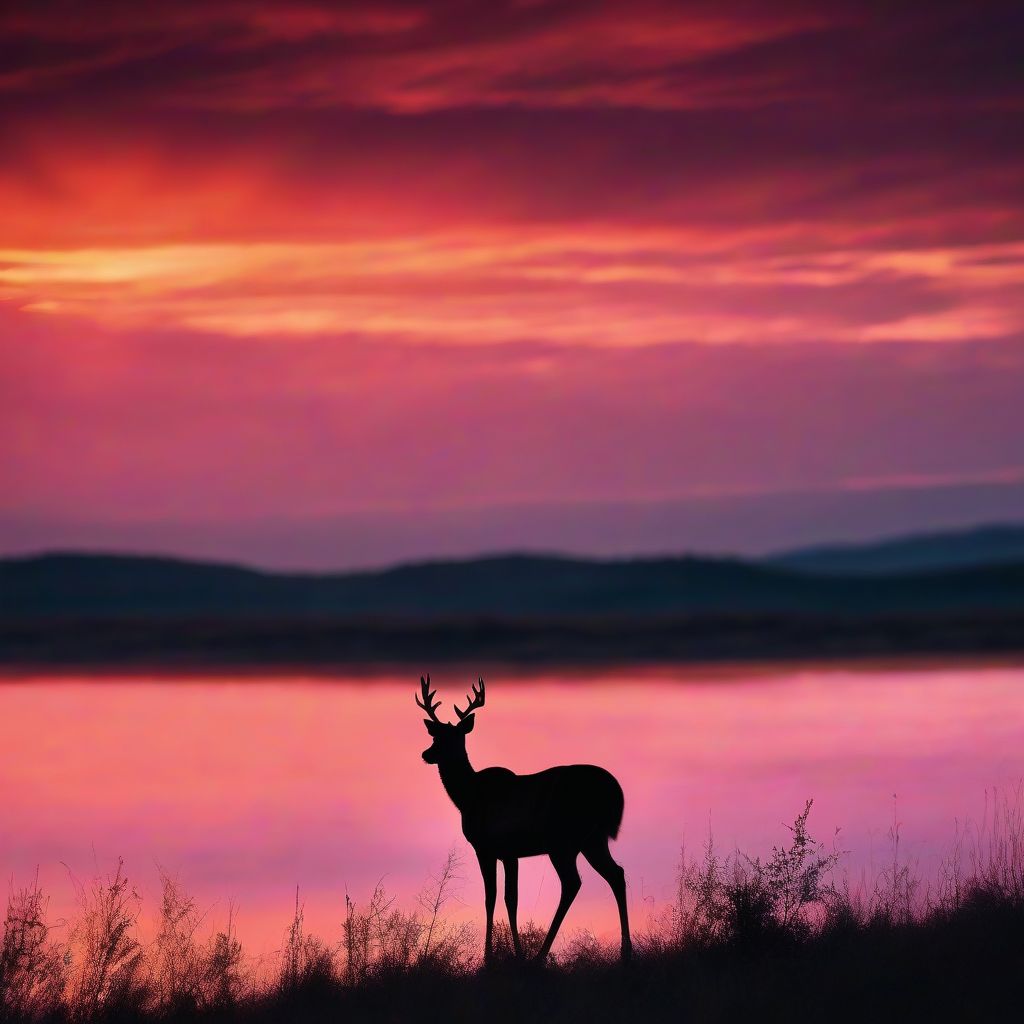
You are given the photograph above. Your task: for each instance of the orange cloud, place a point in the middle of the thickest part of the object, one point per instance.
(611, 287)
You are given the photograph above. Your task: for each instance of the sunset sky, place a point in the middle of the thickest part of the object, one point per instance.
(325, 284)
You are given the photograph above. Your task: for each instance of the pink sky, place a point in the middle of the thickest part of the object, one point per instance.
(265, 268)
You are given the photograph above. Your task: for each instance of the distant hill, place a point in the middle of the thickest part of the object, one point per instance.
(514, 586)
(980, 546)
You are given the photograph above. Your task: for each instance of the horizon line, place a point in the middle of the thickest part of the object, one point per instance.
(525, 553)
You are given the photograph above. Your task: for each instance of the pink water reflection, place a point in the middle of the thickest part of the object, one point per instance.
(248, 788)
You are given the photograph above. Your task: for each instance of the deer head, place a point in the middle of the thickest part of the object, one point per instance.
(449, 740)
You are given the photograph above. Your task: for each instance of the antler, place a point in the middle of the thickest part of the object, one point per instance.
(476, 702)
(428, 704)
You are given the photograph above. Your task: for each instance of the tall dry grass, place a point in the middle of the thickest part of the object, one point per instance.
(729, 910)
(33, 965)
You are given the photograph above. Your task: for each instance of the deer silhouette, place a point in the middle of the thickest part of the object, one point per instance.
(561, 812)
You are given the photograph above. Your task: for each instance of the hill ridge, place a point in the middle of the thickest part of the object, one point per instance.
(516, 585)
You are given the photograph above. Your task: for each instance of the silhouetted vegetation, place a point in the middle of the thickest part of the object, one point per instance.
(784, 936)
(328, 644)
(133, 612)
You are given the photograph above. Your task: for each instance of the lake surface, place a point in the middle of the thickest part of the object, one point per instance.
(247, 788)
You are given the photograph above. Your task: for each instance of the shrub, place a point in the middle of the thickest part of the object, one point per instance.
(107, 959)
(33, 968)
(744, 901)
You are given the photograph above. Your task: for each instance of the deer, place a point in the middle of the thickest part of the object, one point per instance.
(560, 812)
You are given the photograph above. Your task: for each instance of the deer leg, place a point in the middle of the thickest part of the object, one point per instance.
(601, 860)
(565, 865)
(511, 865)
(489, 871)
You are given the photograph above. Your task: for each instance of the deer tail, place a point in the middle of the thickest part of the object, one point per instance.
(615, 808)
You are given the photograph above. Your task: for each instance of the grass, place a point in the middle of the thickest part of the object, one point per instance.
(785, 936)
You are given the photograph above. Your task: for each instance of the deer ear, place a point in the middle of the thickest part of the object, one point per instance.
(431, 726)
(466, 725)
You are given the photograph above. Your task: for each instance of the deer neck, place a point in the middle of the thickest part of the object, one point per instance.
(458, 777)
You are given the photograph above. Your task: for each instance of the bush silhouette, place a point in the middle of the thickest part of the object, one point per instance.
(746, 937)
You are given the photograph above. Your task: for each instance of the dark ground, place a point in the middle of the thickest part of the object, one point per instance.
(965, 967)
(970, 968)
(326, 643)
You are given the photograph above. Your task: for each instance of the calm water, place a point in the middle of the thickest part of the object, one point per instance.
(247, 788)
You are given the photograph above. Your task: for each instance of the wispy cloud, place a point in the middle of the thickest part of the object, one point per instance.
(589, 287)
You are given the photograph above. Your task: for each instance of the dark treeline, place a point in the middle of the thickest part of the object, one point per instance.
(317, 642)
(96, 610)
